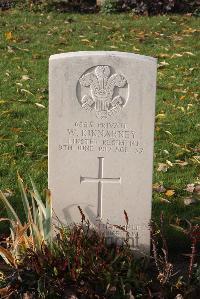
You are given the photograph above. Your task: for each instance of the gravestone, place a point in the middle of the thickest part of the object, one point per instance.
(101, 130)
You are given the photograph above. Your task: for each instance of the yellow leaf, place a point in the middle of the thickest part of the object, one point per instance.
(136, 49)
(39, 105)
(160, 115)
(8, 35)
(169, 193)
(169, 163)
(163, 64)
(84, 40)
(25, 78)
(182, 98)
(26, 91)
(189, 53)
(177, 55)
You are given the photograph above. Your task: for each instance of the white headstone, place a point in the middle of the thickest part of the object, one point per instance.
(101, 131)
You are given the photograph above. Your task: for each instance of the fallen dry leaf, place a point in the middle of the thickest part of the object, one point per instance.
(16, 130)
(181, 163)
(10, 49)
(25, 78)
(163, 55)
(26, 91)
(189, 53)
(169, 193)
(20, 144)
(177, 55)
(168, 132)
(136, 49)
(189, 200)
(182, 98)
(160, 116)
(195, 159)
(166, 152)
(84, 40)
(165, 200)
(159, 188)
(162, 167)
(190, 188)
(8, 35)
(40, 105)
(169, 163)
(163, 64)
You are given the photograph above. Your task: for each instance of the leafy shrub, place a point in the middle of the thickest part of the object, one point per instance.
(36, 230)
(110, 6)
(150, 6)
(61, 5)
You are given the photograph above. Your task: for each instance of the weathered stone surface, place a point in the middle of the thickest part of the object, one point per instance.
(101, 128)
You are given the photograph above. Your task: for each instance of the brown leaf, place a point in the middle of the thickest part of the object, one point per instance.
(182, 98)
(162, 167)
(189, 200)
(159, 188)
(16, 130)
(7, 256)
(5, 292)
(190, 188)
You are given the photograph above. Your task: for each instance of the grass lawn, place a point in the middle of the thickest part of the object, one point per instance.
(27, 40)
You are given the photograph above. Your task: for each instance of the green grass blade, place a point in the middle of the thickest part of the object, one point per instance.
(38, 199)
(48, 220)
(11, 213)
(25, 201)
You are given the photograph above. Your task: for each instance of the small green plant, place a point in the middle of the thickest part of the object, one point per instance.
(36, 229)
(79, 261)
(109, 6)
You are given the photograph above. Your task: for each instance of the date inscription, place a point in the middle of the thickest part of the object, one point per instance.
(101, 137)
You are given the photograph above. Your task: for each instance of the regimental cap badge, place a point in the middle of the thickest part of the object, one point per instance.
(103, 91)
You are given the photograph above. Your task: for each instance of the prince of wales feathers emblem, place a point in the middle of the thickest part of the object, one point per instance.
(102, 85)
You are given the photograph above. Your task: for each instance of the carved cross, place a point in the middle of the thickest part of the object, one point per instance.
(100, 180)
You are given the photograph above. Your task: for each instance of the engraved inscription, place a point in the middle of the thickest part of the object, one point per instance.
(101, 137)
(102, 89)
(100, 180)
